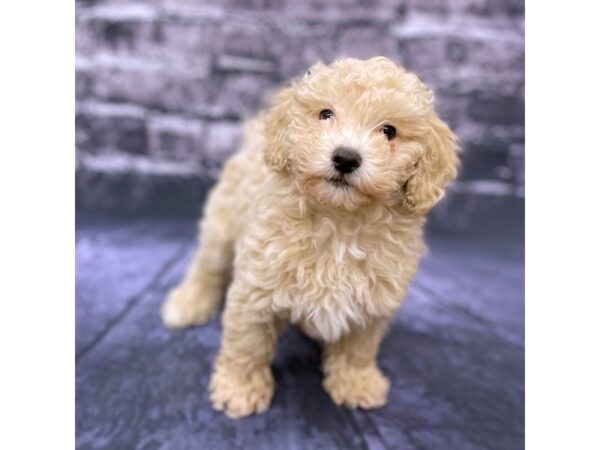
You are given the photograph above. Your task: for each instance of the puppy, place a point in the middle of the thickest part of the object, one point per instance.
(319, 219)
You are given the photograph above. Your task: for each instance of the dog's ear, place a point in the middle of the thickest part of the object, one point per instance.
(276, 130)
(437, 166)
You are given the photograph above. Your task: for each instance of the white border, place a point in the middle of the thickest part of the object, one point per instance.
(562, 226)
(37, 238)
(37, 226)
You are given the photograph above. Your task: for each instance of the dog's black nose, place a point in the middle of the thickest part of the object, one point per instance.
(346, 160)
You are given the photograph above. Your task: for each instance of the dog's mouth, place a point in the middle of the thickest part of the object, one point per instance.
(339, 182)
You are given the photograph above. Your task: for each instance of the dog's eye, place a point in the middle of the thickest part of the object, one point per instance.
(389, 131)
(325, 114)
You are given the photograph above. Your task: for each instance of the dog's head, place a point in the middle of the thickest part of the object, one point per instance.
(355, 132)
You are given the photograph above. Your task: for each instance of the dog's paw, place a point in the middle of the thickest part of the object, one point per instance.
(365, 388)
(187, 306)
(240, 395)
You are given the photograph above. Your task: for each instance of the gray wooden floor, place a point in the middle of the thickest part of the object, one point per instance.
(454, 354)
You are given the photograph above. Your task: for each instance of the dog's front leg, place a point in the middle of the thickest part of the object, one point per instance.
(352, 377)
(242, 382)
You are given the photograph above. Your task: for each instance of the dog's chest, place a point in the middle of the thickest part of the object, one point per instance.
(336, 276)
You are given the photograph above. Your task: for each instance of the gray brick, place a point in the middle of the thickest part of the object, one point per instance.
(366, 42)
(258, 5)
(174, 138)
(481, 56)
(132, 190)
(478, 164)
(228, 63)
(105, 130)
(222, 139)
(194, 9)
(475, 7)
(343, 11)
(239, 95)
(167, 40)
(516, 163)
(479, 205)
(298, 45)
(153, 86)
(163, 85)
(189, 40)
(83, 85)
(247, 38)
(497, 109)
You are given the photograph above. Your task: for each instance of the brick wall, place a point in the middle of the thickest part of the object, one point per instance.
(162, 86)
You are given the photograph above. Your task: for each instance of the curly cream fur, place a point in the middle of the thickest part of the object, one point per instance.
(336, 261)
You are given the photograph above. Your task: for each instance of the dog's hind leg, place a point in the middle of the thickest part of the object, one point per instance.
(198, 297)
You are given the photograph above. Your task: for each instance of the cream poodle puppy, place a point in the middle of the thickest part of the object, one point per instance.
(319, 221)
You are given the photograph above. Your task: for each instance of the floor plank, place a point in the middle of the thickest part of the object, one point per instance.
(454, 354)
(115, 262)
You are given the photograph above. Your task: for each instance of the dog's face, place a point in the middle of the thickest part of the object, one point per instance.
(356, 131)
